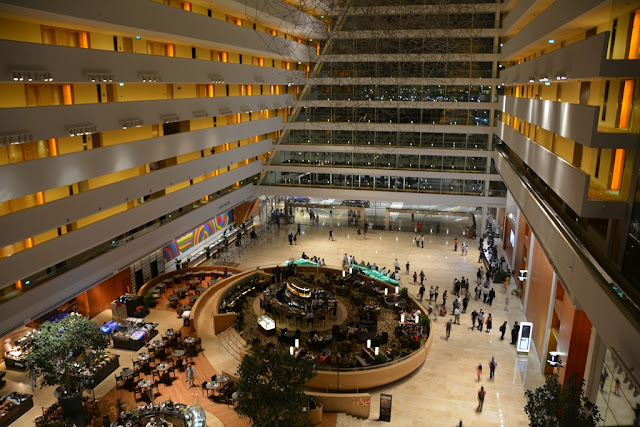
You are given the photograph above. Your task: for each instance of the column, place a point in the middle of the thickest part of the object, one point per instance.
(593, 367)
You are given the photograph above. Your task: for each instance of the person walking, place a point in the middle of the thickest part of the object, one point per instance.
(290, 237)
(435, 294)
(396, 266)
(489, 323)
(481, 394)
(448, 328)
(431, 292)
(407, 265)
(455, 245)
(298, 229)
(422, 241)
(421, 277)
(479, 371)
(465, 303)
(331, 234)
(503, 330)
(415, 278)
(444, 297)
(456, 313)
(421, 292)
(492, 368)
(474, 315)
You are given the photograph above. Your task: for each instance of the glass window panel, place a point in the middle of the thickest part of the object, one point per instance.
(408, 139)
(474, 187)
(497, 189)
(458, 93)
(455, 140)
(430, 185)
(363, 160)
(365, 92)
(410, 93)
(382, 182)
(409, 115)
(431, 163)
(368, 45)
(387, 138)
(365, 137)
(320, 137)
(476, 164)
(342, 137)
(387, 93)
(387, 115)
(365, 69)
(411, 184)
(343, 114)
(431, 140)
(366, 181)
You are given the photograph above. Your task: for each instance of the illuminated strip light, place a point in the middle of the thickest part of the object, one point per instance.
(16, 137)
(618, 163)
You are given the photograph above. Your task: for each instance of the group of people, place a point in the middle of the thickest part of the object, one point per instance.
(315, 259)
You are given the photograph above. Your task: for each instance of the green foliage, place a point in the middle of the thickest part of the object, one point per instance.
(59, 350)
(425, 321)
(404, 293)
(379, 359)
(271, 389)
(553, 405)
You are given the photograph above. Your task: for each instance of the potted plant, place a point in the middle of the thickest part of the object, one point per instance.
(404, 293)
(425, 321)
(58, 353)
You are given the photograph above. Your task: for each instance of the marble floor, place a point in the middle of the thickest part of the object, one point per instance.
(443, 391)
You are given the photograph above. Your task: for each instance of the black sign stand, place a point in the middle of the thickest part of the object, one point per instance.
(385, 408)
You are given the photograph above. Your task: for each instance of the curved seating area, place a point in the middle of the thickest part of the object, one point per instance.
(326, 380)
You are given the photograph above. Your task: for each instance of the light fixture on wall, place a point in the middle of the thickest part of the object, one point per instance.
(543, 79)
(200, 114)
(31, 76)
(532, 79)
(16, 137)
(523, 275)
(131, 123)
(561, 76)
(149, 77)
(81, 129)
(555, 359)
(170, 118)
(216, 78)
(224, 111)
(100, 77)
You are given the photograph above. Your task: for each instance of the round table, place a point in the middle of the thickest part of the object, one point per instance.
(172, 298)
(223, 378)
(189, 340)
(201, 289)
(162, 367)
(126, 373)
(185, 307)
(178, 353)
(143, 357)
(193, 297)
(157, 344)
(144, 384)
(170, 332)
(181, 289)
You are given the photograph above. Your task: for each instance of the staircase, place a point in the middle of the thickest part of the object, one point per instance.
(233, 343)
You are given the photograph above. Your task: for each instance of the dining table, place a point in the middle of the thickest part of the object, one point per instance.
(145, 387)
(189, 340)
(185, 307)
(193, 298)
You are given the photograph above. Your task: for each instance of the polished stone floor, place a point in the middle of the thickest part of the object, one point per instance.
(443, 391)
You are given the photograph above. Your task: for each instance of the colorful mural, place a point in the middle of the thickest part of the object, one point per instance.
(198, 235)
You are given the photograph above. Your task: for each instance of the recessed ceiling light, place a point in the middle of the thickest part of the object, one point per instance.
(552, 41)
(138, 37)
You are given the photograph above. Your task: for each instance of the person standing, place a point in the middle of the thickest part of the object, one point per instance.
(298, 229)
(407, 265)
(514, 332)
(444, 297)
(465, 303)
(489, 323)
(191, 371)
(479, 371)
(421, 277)
(480, 320)
(492, 368)
(422, 241)
(448, 328)
(474, 315)
(503, 330)
(456, 313)
(421, 292)
(290, 237)
(455, 244)
(435, 294)
(331, 234)
(481, 394)
(492, 295)
(396, 266)
(431, 292)
(415, 278)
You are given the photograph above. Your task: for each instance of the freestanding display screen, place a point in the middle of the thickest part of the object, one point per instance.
(524, 337)
(385, 407)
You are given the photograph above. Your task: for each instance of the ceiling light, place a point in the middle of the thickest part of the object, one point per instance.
(552, 41)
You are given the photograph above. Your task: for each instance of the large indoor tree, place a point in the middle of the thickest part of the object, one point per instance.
(60, 350)
(271, 389)
(554, 405)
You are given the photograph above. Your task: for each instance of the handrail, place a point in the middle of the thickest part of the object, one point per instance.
(609, 279)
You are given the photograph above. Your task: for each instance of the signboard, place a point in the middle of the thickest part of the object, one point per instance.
(385, 407)
(524, 337)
